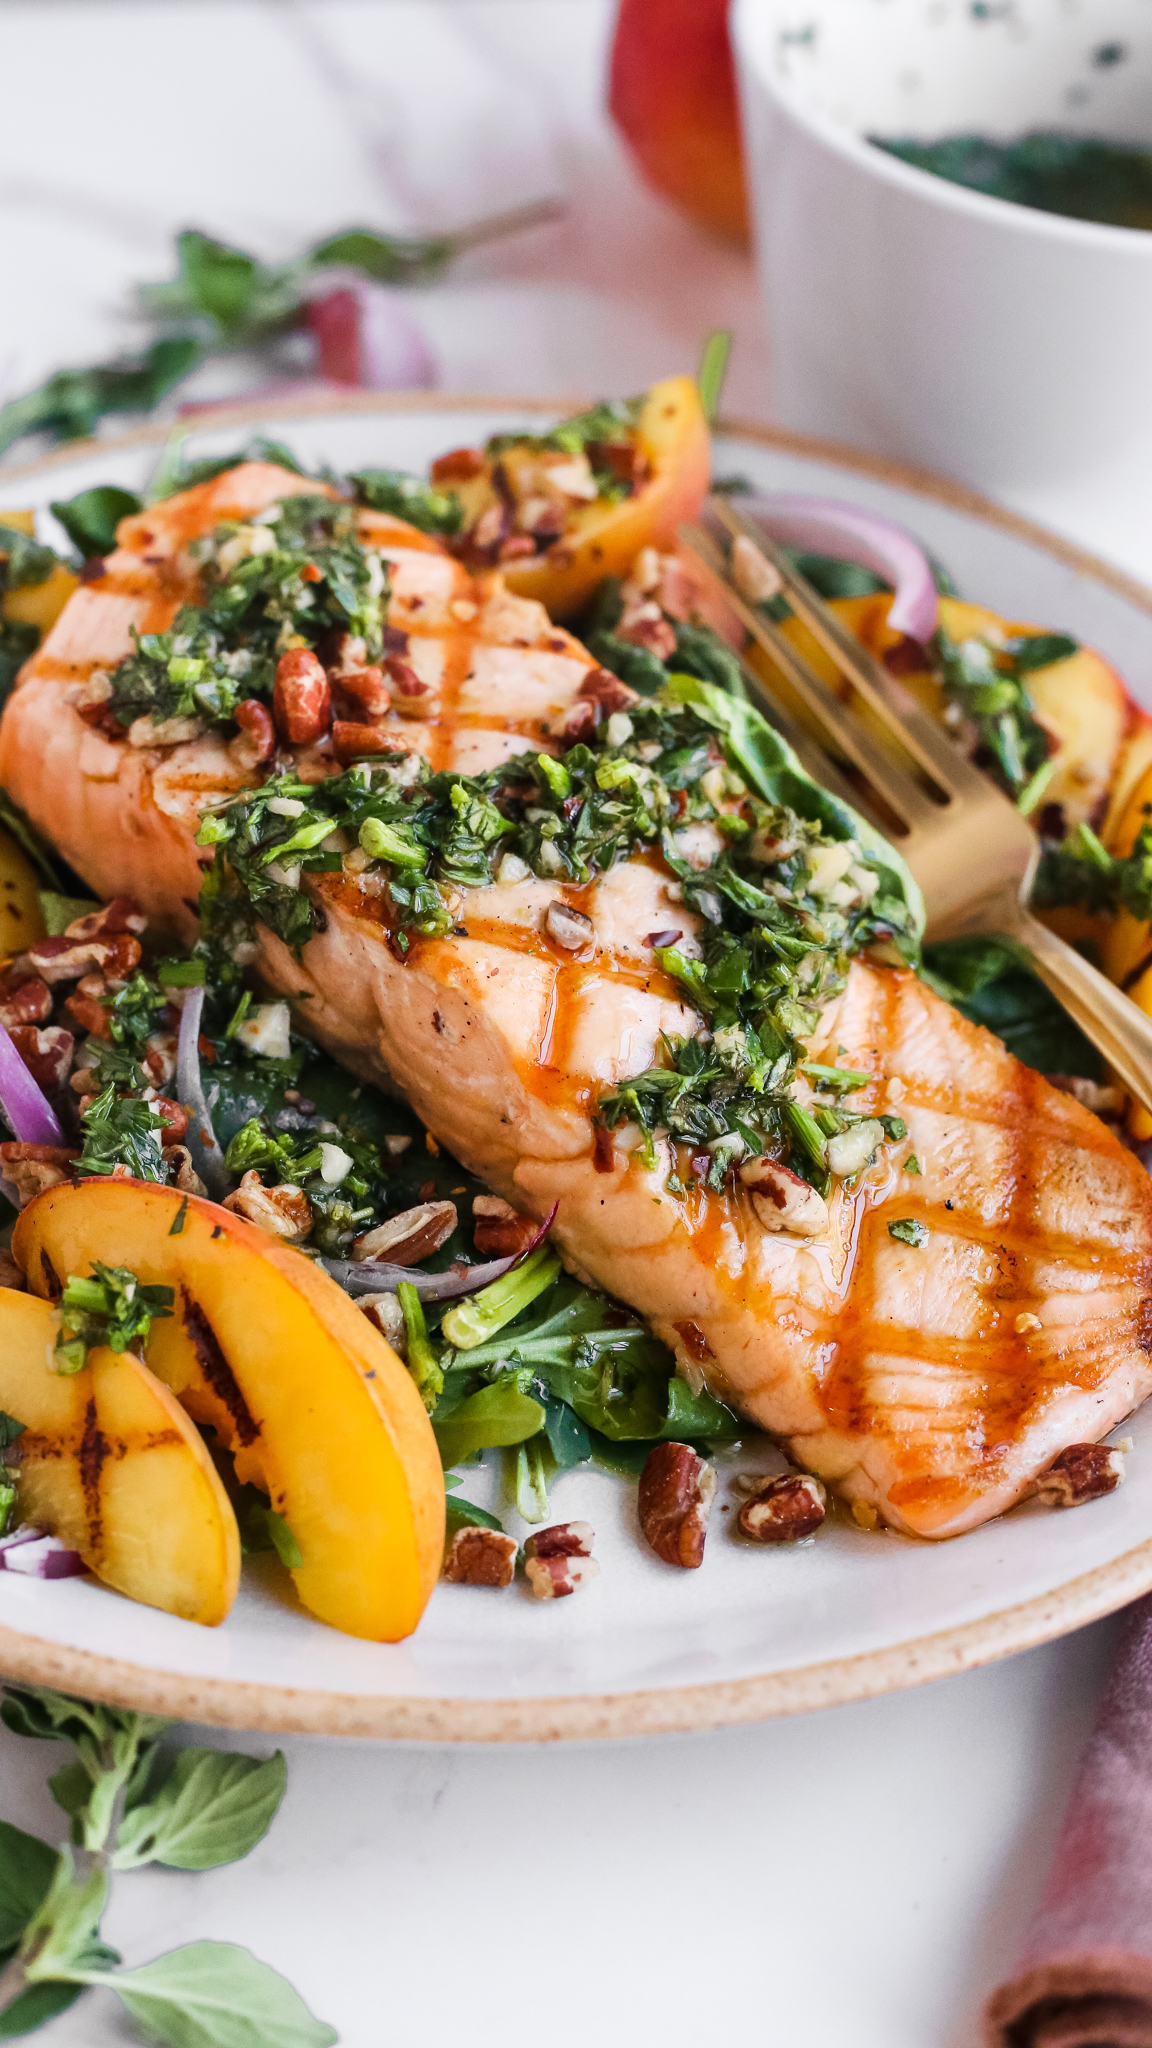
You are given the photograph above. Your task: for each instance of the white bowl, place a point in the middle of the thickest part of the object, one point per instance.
(1008, 347)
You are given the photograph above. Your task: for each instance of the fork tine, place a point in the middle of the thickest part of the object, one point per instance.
(909, 724)
(899, 795)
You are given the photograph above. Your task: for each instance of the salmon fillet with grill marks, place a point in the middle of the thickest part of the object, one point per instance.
(894, 1371)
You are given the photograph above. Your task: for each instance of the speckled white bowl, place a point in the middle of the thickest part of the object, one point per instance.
(1002, 345)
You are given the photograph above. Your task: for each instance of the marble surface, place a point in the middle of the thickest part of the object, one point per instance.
(860, 1876)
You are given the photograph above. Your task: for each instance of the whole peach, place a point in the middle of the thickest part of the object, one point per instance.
(672, 92)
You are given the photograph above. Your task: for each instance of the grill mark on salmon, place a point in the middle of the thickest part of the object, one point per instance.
(894, 1372)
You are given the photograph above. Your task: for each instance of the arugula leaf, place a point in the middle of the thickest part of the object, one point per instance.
(27, 1868)
(213, 1994)
(212, 1809)
(90, 518)
(464, 1514)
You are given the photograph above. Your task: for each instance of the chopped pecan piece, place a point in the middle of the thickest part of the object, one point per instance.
(1082, 1472)
(187, 1179)
(568, 928)
(499, 1231)
(607, 692)
(175, 1119)
(457, 467)
(301, 698)
(28, 1003)
(563, 1539)
(256, 742)
(413, 1235)
(579, 726)
(784, 1509)
(552, 1577)
(283, 1212)
(782, 1200)
(386, 1315)
(480, 1557)
(362, 694)
(351, 742)
(412, 697)
(46, 1054)
(32, 1168)
(89, 1014)
(676, 1492)
(120, 915)
(646, 626)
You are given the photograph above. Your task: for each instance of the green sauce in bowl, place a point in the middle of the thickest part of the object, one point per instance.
(1080, 176)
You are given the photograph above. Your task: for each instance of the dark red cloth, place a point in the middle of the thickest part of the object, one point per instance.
(1084, 1978)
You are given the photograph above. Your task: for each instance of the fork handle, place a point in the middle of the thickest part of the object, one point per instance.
(1106, 1016)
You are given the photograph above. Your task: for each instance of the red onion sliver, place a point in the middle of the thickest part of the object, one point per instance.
(26, 1107)
(200, 1137)
(376, 1276)
(823, 526)
(366, 336)
(20, 1536)
(47, 1557)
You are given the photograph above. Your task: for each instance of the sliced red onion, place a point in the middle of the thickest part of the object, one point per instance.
(200, 1137)
(27, 1108)
(376, 1276)
(28, 1535)
(42, 1557)
(822, 526)
(366, 336)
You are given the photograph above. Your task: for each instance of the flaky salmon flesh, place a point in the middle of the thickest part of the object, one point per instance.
(933, 1381)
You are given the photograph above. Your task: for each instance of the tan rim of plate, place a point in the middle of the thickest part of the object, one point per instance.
(226, 1703)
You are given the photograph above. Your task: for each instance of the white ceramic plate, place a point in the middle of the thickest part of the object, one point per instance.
(645, 1648)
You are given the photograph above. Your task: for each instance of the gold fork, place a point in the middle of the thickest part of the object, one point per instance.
(970, 850)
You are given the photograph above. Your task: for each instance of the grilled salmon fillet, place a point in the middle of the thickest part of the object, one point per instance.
(894, 1370)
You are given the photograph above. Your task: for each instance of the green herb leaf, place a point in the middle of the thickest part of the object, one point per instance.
(498, 1414)
(90, 518)
(10, 1429)
(59, 912)
(212, 1809)
(23, 560)
(27, 1868)
(713, 369)
(35, 2006)
(477, 1319)
(214, 1995)
(990, 981)
(908, 1230)
(464, 1514)
(410, 498)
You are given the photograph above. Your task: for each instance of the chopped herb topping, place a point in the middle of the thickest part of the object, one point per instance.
(110, 1307)
(984, 679)
(1082, 873)
(294, 574)
(907, 1230)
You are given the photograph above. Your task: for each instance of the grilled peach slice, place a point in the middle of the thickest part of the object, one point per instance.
(110, 1462)
(604, 538)
(264, 1346)
(21, 918)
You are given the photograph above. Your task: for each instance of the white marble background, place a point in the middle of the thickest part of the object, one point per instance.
(859, 1877)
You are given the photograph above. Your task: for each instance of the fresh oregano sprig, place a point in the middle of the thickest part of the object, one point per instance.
(130, 1802)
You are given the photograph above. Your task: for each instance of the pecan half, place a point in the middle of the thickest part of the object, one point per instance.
(552, 1577)
(1082, 1472)
(498, 1230)
(351, 741)
(563, 1539)
(301, 698)
(68, 959)
(413, 1235)
(89, 1014)
(782, 1200)
(784, 1509)
(46, 1054)
(33, 1168)
(283, 1212)
(676, 1492)
(480, 1557)
(362, 694)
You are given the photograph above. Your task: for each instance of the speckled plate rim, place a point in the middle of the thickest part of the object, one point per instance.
(229, 1703)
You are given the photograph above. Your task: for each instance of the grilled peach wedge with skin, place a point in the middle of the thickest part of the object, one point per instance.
(308, 1397)
(110, 1462)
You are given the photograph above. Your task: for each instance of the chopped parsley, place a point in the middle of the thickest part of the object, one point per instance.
(985, 680)
(908, 1230)
(1081, 872)
(111, 1307)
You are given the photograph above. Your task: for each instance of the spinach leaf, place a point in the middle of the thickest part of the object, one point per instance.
(989, 980)
(90, 518)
